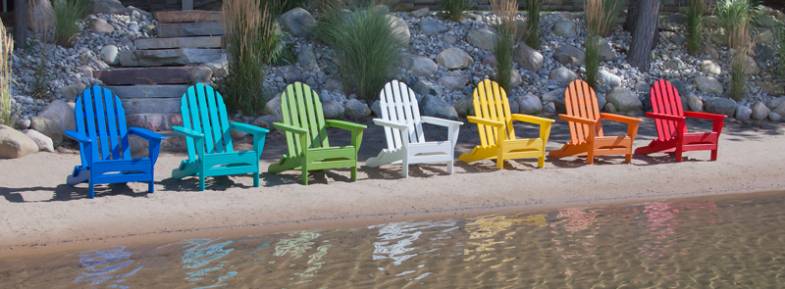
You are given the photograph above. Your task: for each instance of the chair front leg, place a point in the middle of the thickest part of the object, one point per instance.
(590, 143)
(202, 166)
(545, 133)
(632, 132)
(501, 135)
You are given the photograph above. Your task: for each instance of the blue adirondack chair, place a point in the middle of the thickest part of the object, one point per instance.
(103, 142)
(207, 132)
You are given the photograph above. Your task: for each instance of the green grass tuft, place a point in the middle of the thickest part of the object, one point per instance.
(695, 11)
(453, 9)
(67, 15)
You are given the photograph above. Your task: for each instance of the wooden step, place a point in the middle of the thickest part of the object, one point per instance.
(151, 105)
(149, 91)
(190, 29)
(179, 42)
(154, 121)
(170, 57)
(187, 16)
(154, 75)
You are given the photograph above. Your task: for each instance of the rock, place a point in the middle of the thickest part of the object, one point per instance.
(751, 67)
(454, 58)
(549, 108)
(44, 142)
(307, 59)
(455, 80)
(569, 55)
(71, 91)
(625, 100)
(422, 12)
(54, 120)
(273, 106)
(515, 78)
(759, 111)
(101, 26)
(207, 28)
(529, 58)
(482, 38)
(22, 123)
(710, 68)
(182, 56)
(562, 76)
(529, 104)
(423, 66)
(608, 80)
(564, 28)
(424, 87)
(711, 52)
(400, 29)
(743, 113)
(376, 108)
(775, 117)
(14, 144)
(298, 22)
(708, 84)
(780, 108)
(333, 109)
(430, 26)
(464, 105)
(695, 103)
(266, 121)
(607, 53)
(556, 97)
(48, 127)
(109, 54)
(434, 106)
(356, 109)
(721, 105)
(108, 7)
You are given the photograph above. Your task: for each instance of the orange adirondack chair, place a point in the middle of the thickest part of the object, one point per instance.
(670, 120)
(585, 122)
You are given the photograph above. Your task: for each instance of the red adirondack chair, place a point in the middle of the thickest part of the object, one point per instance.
(670, 119)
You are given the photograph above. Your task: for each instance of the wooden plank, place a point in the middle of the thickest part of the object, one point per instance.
(154, 75)
(187, 16)
(151, 105)
(149, 91)
(179, 42)
(190, 29)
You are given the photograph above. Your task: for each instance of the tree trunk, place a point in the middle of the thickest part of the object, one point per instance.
(632, 13)
(643, 34)
(20, 22)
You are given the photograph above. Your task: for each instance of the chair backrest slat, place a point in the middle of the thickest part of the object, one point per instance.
(399, 104)
(203, 110)
(302, 108)
(665, 100)
(100, 116)
(580, 100)
(491, 102)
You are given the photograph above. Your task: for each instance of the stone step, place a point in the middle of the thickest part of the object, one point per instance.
(151, 105)
(179, 42)
(190, 29)
(168, 57)
(149, 91)
(155, 75)
(187, 16)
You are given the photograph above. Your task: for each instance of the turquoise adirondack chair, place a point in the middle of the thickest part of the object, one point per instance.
(207, 132)
(103, 143)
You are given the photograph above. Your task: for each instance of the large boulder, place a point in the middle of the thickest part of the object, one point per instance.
(109, 54)
(356, 109)
(333, 109)
(44, 142)
(708, 84)
(556, 97)
(54, 120)
(721, 105)
(759, 111)
(711, 68)
(454, 58)
(743, 112)
(695, 103)
(430, 26)
(273, 106)
(564, 28)
(423, 66)
(400, 29)
(14, 144)
(529, 58)
(100, 25)
(108, 7)
(482, 38)
(608, 80)
(454, 80)
(298, 22)
(464, 105)
(528, 104)
(562, 76)
(625, 100)
(434, 106)
(569, 55)
(425, 87)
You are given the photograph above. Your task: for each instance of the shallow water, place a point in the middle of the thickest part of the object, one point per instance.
(705, 243)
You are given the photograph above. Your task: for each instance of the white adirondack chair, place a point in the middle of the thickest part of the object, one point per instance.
(402, 124)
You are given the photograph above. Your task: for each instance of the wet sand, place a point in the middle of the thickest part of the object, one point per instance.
(40, 214)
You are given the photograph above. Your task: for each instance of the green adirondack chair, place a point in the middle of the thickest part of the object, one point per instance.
(207, 132)
(306, 135)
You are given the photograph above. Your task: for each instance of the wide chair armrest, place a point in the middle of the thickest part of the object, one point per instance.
(187, 132)
(248, 128)
(78, 137)
(390, 124)
(146, 134)
(345, 125)
(665, 116)
(484, 121)
(577, 119)
(705, 115)
(440, 121)
(289, 128)
(620, 118)
(531, 119)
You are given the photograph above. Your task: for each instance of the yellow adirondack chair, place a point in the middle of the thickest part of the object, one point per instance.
(497, 134)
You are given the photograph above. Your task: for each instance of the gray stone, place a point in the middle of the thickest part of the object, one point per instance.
(273, 106)
(482, 38)
(48, 127)
(101, 26)
(422, 12)
(625, 100)
(356, 109)
(556, 97)
(515, 78)
(181, 56)
(109, 54)
(549, 108)
(775, 117)
(44, 142)
(22, 123)
(562, 76)
(14, 144)
(695, 103)
(708, 84)
(564, 28)
(607, 53)
(529, 58)
(436, 107)
(108, 7)
(423, 66)
(750, 67)
(71, 91)
(306, 58)
(376, 108)
(333, 109)
(463, 105)
(711, 68)
(430, 26)
(743, 112)
(759, 111)
(455, 80)
(454, 58)
(425, 87)
(56, 118)
(298, 22)
(209, 28)
(780, 108)
(529, 104)
(609, 80)
(400, 29)
(569, 55)
(179, 42)
(721, 105)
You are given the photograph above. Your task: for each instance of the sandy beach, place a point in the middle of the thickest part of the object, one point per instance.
(39, 213)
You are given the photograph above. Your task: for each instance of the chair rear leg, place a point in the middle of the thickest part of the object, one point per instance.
(451, 167)
(405, 168)
(304, 176)
(256, 179)
(541, 161)
(151, 186)
(714, 154)
(590, 157)
(91, 190)
(354, 173)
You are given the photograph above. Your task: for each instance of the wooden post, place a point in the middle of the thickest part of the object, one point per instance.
(20, 22)
(188, 5)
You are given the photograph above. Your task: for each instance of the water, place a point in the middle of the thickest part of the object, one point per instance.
(726, 243)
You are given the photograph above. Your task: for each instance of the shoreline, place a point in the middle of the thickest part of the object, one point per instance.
(40, 215)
